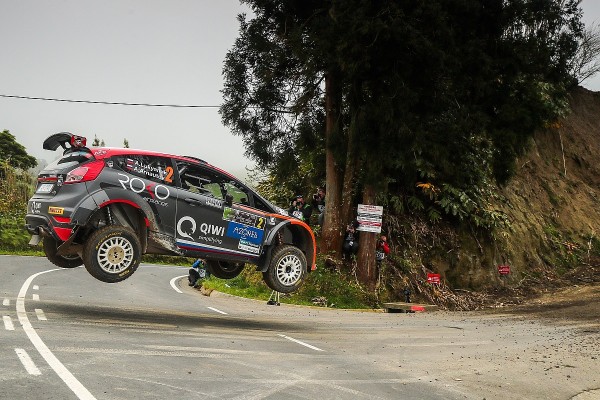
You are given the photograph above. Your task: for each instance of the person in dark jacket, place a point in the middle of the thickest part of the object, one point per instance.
(350, 246)
(318, 203)
(299, 209)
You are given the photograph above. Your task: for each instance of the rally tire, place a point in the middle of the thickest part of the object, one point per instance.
(66, 261)
(224, 270)
(112, 254)
(287, 269)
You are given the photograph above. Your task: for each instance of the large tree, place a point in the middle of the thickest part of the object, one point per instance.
(394, 93)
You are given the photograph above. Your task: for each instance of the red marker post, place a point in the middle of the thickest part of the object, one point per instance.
(504, 269)
(434, 279)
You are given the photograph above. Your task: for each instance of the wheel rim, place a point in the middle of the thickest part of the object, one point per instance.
(289, 270)
(115, 255)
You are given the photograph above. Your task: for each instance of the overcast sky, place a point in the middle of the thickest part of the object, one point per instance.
(133, 51)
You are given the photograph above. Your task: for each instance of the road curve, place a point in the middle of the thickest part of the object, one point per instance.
(67, 335)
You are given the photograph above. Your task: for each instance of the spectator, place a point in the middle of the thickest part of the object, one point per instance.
(299, 209)
(382, 249)
(318, 203)
(350, 240)
(197, 272)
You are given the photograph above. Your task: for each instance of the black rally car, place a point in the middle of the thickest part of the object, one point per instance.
(105, 207)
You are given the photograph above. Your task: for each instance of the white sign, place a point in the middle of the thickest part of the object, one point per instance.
(369, 218)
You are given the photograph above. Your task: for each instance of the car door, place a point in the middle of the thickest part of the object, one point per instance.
(152, 178)
(207, 226)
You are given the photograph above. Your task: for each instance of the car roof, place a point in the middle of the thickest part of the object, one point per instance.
(101, 153)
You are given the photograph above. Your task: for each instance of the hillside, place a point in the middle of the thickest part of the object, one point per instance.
(553, 203)
(554, 200)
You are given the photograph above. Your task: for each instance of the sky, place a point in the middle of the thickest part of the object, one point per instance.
(131, 51)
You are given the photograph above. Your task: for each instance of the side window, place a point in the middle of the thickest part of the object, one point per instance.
(239, 196)
(157, 169)
(197, 180)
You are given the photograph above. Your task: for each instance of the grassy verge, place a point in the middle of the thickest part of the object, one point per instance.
(323, 287)
(33, 251)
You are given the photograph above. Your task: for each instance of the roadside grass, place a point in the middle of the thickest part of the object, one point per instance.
(33, 251)
(323, 287)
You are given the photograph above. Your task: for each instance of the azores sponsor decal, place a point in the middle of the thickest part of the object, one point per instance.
(249, 246)
(242, 217)
(186, 227)
(247, 233)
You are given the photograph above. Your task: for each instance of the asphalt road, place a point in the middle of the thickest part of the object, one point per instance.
(66, 335)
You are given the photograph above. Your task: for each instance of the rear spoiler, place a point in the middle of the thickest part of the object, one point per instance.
(62, 138)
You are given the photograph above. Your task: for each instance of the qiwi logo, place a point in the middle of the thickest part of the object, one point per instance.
(189, 224)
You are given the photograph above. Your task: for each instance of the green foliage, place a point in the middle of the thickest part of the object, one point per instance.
(448, 92)
(16, 186)
(566, 252)
(13, 153)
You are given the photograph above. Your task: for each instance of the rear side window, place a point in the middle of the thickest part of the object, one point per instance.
(70, 160)
(157, 169)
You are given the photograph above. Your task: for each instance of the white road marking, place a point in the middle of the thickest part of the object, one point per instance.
(173, 283)
(302, 343)
(8, 324)
(27, 362)
(215, 310)
(36, 297)
(36, 287)
(40, 314)
(6, 302)
(80, 391)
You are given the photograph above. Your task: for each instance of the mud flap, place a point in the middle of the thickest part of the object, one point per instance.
(35, 240)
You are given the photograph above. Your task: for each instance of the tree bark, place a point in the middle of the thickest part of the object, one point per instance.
(352, 164)
(366, 269)
(332, 232)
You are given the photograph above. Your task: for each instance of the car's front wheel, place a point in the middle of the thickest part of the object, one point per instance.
(286, 270)
(112, 254)
(65, 261)
(224, 270)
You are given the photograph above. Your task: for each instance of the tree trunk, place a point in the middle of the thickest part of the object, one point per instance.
(349, 184)
(332, 232)
(366, 269)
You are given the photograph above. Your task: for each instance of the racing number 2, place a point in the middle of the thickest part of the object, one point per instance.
(169, 177)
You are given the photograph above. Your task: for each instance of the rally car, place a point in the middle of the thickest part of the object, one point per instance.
(105, 207)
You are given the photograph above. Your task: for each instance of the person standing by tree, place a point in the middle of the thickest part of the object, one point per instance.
(382, 250)
(318, 203)
(350, 246)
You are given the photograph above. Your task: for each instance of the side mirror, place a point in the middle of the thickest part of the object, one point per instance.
(229, 200)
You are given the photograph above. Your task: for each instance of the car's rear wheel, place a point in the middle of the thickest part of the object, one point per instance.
(224, 270)
(64, 261)
(112, 254)
(286, 270)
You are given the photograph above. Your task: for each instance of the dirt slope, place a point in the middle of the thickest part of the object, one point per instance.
(554, 205)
